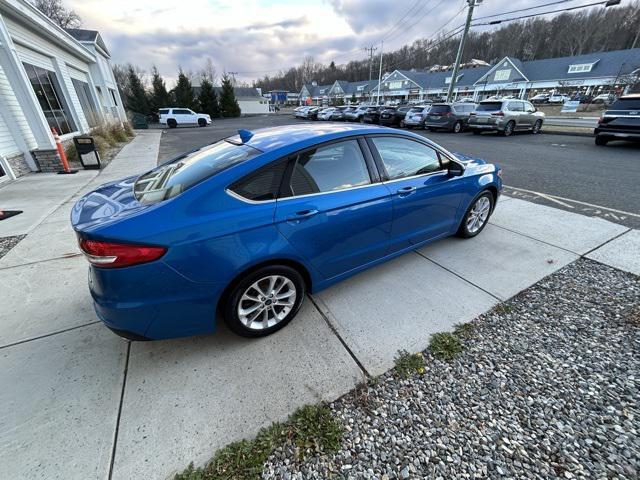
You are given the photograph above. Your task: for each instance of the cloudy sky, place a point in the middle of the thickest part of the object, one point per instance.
(257, 37)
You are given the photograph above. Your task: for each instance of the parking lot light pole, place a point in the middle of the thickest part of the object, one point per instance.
(380, 74)
(456, 66)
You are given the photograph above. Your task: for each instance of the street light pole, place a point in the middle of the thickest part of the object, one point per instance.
(456, 66)
(380, 74)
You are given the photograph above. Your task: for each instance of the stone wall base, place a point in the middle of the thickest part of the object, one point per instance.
(18, 164)
(48, 160)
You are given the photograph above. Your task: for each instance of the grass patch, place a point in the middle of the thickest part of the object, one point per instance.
(311, 429)
(445, 345)
(407, 363)
(464, 330)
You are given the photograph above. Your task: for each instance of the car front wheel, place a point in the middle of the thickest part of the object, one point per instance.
(264, 301)
(202, 122)
(536, 127)
(477, 215)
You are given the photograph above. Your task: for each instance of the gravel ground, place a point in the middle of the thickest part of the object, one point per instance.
(547, 387)
(7, 243)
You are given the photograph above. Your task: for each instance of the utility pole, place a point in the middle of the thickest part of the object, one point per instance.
(370, 49)
(380, 74)
(456, 66)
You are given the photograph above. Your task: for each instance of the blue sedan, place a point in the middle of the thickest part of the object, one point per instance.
(242, 229)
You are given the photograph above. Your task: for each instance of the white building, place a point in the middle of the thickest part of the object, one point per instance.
(49, 78)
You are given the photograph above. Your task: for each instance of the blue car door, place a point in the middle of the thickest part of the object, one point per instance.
(336, 215)
(425, 197)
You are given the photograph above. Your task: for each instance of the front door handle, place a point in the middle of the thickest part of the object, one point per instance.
(403, 192)
(302, 215)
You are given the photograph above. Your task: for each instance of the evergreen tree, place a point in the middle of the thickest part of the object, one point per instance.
(159, 96)
(183, 92)
(208, 99)
(136, 97)
(353, 98)
(228, 104)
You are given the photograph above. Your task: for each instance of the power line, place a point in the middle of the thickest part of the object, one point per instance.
(416, 21)
(525, 9)
(398, 23)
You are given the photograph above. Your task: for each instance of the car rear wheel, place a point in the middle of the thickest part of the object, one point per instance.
(202, 122)
(264, 301)
(457, 127)
(477, 215)
(402, 125)
(536, 127)
(601, 141)
(171, 123)
(509, 128)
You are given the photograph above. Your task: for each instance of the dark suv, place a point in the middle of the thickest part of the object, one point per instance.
(371, 115)
(393, 116)
(621, 121)
(449, 116)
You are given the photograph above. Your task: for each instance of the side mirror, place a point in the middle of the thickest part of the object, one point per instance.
(455, 169)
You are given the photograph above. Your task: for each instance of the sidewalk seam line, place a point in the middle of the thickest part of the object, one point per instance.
(608, 241)
(342, 341)
(27, 340)
(117, 429)
(459, 276)
(536, 239)
(73, 255)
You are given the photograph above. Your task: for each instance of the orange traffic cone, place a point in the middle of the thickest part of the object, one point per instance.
(63, 156)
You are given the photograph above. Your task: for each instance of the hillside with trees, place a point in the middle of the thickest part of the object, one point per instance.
(585, 31)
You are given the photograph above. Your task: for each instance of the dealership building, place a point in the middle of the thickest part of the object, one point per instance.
(591, 74)
(49, 78)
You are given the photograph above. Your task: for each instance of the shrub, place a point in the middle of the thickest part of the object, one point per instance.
(408, 363)
(102, 144)
(128, 129)
(118, 133)
(70, 152)
(104, 132)
(445, 345)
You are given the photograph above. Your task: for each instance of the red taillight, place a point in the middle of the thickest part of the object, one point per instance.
(497, 114)
(600, 120)
(112, 255)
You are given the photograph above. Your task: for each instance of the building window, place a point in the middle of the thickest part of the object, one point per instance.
(113, 96)
(395, 85)
(86, 102)
(47, 89)
(582, 67)
(501, 75)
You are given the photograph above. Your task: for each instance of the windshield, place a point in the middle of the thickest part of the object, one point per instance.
(176, 176)
(416, 110)
(489, 107)
(626, 104)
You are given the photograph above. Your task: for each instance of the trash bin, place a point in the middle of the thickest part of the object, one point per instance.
(139, 121)
(87, 152)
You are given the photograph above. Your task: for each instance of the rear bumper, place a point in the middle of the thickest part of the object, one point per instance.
(413, 123)
(152, 301)
(445, 124)
(617, 133)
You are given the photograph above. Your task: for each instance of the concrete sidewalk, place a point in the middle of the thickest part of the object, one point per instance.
(82, 403)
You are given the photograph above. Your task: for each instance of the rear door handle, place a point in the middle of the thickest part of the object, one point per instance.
(403, 192)
(302, 215)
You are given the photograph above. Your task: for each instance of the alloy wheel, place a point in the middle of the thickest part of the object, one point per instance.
(478, 214)
(267, 302)
(537, 126)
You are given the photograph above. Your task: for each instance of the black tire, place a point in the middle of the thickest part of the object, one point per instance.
(476, 132)
(231, 304)
(202, 122)
(463, 230)
(171, 123)
(401, 124)
(508, 129)
(601, 140)
(428, 129)
(457, 127)
(537, 127)
(361, 120)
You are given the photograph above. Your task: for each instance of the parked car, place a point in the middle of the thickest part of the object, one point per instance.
(312, 113)
(540, 98)
(393, 116)
(621, 121)
(372, 115)
(606, 98)
(465, 100)
(326, 113)
(244, 228)
(447, 116)
(301, 112)
(505, 117)
(172, 117)
(582, 98)
(558, 98)
(356, 115)
(415, 116)
(338, 113)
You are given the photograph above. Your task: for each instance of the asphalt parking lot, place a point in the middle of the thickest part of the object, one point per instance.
(563, 171)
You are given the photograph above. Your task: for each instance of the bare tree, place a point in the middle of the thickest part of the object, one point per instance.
(56, 11)
(208, 72)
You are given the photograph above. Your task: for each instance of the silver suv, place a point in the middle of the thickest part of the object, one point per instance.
(505, 117)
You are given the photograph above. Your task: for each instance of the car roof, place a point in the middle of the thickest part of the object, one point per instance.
(273, 138)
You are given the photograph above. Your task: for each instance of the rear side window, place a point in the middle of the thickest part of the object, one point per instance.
(263, 184)
(626, 104)
(489, 107)
(515, 107)
(163, 111)
(178, 111)
(334, 167)
(177, 176)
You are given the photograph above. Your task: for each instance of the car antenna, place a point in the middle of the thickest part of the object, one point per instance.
(245, 135)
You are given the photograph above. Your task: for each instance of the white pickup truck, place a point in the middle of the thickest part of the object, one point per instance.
(172, 117)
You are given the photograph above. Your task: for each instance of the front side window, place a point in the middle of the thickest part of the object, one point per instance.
(405, 158)
(47, 89)
(176, 176)
(86, 102)
(334, 167)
